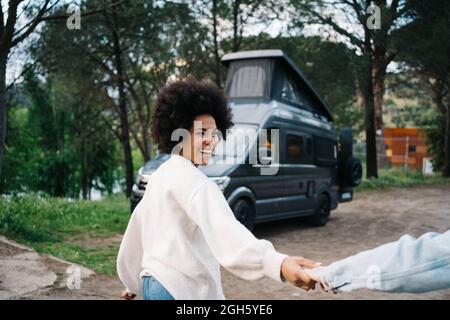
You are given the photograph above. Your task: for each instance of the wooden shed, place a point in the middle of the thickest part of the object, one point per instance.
(405, 147)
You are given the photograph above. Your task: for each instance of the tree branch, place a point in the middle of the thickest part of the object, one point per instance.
(16, 33)
(8, 31)
(329, 21)
(34, 23)
(85, 14)
(2, 19)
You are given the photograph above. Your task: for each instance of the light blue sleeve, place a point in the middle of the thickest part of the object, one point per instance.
(407, 265)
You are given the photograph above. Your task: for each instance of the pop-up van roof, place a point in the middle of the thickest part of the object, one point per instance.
(270, 75)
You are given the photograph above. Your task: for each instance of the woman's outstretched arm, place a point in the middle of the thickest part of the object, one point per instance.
(236, 248)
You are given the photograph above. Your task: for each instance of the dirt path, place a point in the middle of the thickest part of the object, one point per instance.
(25, 274)
(373, 218)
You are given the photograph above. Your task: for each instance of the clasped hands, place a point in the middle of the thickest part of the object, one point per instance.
(301, 273)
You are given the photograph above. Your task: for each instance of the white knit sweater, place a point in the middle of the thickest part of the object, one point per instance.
(180, 232)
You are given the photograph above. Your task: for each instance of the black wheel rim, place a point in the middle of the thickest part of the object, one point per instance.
(324, 210)
(357, 173)
(243, 214)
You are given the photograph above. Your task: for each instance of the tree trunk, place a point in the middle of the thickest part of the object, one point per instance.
(142, 142)
(61, 171)
(378, 76)
(84, 170)
(143, 126)
(124, 126)
(147, 144)
(446, 172)
(371, 143)
(125, 140)
(3, 112)
(84, 186)
(218, 71)
(369, 123)
(236, 5)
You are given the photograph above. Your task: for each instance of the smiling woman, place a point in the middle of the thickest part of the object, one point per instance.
(178, 106)
(183, 228)
(202, 140)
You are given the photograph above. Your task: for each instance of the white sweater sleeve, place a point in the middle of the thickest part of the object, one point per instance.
(231, 243)
(130, 255)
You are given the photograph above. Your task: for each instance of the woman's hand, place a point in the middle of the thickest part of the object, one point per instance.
(292, 271)
(317, 274)
(126, 295)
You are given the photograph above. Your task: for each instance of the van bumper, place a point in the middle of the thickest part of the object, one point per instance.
(136, 196)
(345, 195)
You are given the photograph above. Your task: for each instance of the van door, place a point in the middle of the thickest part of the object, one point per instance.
(268, 188)
(298, 172)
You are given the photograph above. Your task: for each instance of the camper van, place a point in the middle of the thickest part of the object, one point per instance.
(299, 167)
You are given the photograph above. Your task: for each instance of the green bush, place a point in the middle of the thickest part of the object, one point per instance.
(402, 178)
(50, 225)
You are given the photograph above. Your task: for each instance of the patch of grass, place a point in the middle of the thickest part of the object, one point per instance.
(400, 178)
(50, 225)
(100, 259)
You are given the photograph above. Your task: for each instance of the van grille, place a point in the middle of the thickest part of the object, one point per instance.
(142, 185)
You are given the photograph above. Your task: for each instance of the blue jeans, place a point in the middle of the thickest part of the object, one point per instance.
(153, 290)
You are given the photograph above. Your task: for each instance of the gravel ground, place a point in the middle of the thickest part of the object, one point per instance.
(372, 219)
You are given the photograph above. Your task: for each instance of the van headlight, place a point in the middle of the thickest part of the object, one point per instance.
(141, 177)
(222, 182)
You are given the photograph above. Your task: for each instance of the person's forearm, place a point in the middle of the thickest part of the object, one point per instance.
(407, 265)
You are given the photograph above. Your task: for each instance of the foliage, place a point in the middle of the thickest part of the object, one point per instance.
(65, 228)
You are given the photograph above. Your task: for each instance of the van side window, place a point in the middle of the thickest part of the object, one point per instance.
(309, 146)
(290, 92)
(325, 151)
(295, 149)
(294, 93)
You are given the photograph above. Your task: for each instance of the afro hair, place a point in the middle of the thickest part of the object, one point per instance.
(178, 104)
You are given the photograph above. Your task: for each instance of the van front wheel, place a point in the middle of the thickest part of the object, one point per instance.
(244, 213)
(322, 213)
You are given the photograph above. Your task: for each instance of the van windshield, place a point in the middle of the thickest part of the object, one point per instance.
(239, 140)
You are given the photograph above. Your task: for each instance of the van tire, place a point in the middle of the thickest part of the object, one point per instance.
(245, 213)
(322, 211)
(353, 172)
(133, 205)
